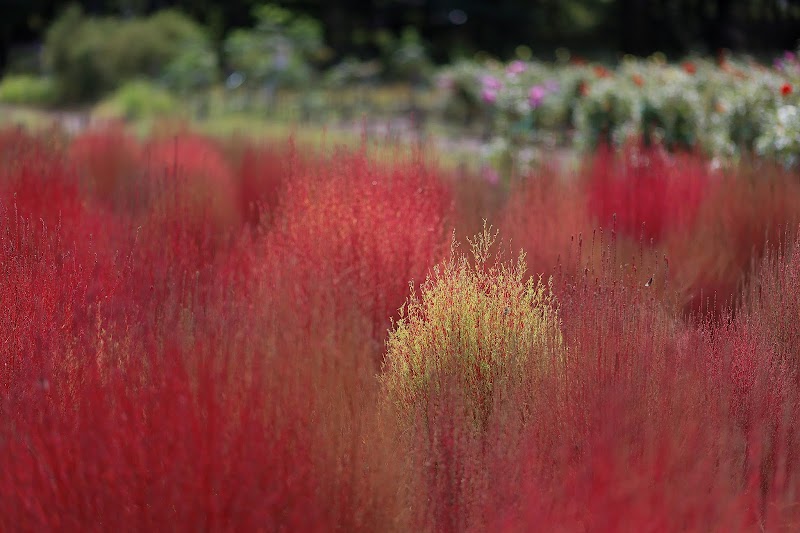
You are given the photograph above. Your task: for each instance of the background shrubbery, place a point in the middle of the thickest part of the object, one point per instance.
(28, 90)
(139, 100)
(281, 66)
(89, 56)
(731, 108)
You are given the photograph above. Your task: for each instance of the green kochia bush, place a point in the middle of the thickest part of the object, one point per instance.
(477, 324)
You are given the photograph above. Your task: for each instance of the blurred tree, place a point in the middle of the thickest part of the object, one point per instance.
(465, 26)
(91, 55)
(280, 50)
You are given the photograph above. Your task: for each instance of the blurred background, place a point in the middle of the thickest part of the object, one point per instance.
(494, 77)
(454, 28)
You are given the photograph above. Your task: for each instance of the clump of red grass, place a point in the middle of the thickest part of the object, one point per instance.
(646, 189)
(111, 432)
(749, 208)
(544, 215)
(262, 173)
(358, 233)
(111, 163)
(192, 177)
(188, 389)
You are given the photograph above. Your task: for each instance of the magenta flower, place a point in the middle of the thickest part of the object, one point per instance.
(552, 86)
(490, 82)
(536, 95)
(489, 95)
(516, 68)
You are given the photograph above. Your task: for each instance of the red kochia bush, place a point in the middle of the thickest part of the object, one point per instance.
(156, 413)
(194, 183)
(184, 439)
(111, 163)
(749, 210)
(543, 216)
(263, 171)
(358, 233)
(647, 189)
(145, 387)
(631, 431)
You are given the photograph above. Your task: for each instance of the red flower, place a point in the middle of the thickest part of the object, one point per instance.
(638, 80)
(601, 72)
(689, 67)
(786, 89)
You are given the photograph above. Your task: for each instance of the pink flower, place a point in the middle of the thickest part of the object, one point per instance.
(536, 95)
(552, 86)
(490, 82)
(516, 68)
(489, 95)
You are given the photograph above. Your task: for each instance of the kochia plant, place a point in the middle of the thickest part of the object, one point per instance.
(480, 323)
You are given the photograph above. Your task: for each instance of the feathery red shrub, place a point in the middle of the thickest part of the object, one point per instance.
(648, 190)
(263, 172)
(192, 177)
(747, 211)
(544, 215)
(355, 235)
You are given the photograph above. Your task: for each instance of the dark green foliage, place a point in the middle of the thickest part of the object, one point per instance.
(90, 56)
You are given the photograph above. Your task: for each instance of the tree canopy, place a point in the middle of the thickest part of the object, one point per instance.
(459, 27)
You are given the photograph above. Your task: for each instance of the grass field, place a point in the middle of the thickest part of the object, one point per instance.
(229, 334)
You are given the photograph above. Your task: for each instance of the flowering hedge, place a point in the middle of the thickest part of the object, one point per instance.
(726, 108)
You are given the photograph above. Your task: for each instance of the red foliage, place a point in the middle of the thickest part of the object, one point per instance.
(545, 215)
(359, 234)
(192, 177)
(748, 210)
(111, 163)
(263, 172)
(647, 190)
(154, 375)
(169, 395)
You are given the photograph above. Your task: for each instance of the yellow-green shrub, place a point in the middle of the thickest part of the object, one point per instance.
(477, 324)
(139, 100)
(23, 89)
